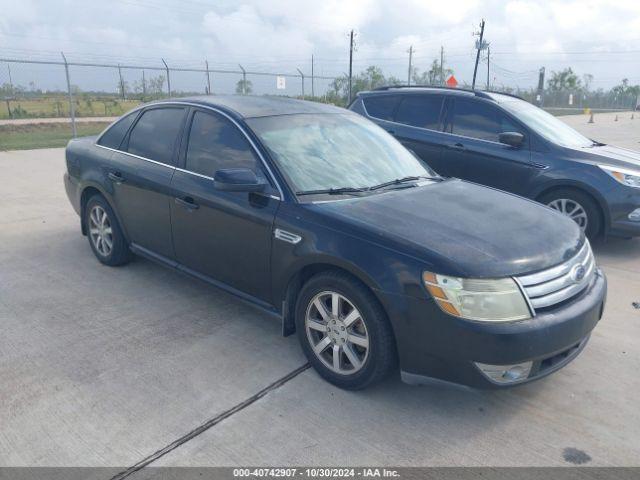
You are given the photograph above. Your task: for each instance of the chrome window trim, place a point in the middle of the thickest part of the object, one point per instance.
(206, 107)
(136, 156)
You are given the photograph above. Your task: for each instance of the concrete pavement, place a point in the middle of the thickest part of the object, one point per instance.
(103, 366)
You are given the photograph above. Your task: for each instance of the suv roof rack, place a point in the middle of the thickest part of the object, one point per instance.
(479, 93)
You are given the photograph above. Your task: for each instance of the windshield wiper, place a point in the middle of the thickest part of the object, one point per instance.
(397, 181)
(332, 191)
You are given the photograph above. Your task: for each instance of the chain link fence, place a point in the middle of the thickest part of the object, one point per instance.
(68, 89)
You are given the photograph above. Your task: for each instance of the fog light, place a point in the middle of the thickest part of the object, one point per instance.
(635, 215)
(506, 373)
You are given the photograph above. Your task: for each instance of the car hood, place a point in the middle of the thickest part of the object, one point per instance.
(610, 155)
(460, 228)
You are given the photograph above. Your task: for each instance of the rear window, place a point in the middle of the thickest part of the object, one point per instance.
(422, 111)
(381, 106)
(112, 138)
(154, 135)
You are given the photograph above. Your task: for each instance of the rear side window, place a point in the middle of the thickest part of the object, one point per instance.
(381, 106)
(215, 143)
(154, 135)
(112, 138)
(479, 120)
(422, 111)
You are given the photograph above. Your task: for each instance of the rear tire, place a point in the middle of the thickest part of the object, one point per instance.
(578, 206)
(350, 343)
(104, 233)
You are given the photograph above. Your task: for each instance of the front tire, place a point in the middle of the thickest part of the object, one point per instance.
(344, 332)
(105, 235)
(578, 206)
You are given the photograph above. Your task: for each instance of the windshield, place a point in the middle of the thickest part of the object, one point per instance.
(335, 151)
(546, 124)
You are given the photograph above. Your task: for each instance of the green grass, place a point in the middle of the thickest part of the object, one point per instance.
(58, 106)
(43, 135)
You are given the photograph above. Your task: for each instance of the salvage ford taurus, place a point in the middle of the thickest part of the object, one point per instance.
(318, 216)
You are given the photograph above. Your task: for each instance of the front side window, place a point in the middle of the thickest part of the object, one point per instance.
(154, 135)
(215, 144)
(479, 120)
(422, 111)
(546, 124)
(113, 137)
(330, 151)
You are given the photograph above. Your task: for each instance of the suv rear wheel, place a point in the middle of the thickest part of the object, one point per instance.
(344, 331)
(578, 206)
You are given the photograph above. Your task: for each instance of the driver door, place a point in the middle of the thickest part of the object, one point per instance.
(222, 235)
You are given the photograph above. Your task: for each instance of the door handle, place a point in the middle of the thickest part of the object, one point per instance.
(116, 177)
(456, 146)
(392, 132)
(187, 202)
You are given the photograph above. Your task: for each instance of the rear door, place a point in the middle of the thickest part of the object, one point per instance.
(473, 151)
(223, 235)
(418, 125)
(141, 172)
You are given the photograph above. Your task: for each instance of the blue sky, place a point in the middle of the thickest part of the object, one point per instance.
(596, 37)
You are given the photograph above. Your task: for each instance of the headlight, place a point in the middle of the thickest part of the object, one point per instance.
(631, 178)
(485, 300)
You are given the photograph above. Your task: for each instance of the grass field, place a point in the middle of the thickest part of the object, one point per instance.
(43, 135)
(58, 106)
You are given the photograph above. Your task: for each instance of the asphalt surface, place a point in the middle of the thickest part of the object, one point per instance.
(104, 366)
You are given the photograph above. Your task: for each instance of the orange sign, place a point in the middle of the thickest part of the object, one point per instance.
(452, 82)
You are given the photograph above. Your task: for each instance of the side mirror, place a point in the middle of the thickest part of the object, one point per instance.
(513, 139)
(238, 180)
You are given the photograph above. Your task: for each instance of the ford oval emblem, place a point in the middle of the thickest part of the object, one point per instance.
(577, 273)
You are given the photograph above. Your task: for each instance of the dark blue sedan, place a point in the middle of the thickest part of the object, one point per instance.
(321, 218)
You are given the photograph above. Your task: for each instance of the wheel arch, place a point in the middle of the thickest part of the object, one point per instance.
(88, 191)
(306, 271)
(582, 188)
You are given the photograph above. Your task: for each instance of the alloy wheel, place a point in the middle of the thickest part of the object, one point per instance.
(571, 209)
(100, 231)
(337, 332)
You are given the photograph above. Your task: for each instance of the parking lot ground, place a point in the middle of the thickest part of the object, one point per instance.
(104, 366)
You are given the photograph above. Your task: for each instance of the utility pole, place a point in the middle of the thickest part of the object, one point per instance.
(121, 82)
(168, 77)
(144, 87)
(488, 63)
(72, 111)
(410, 59)
(312, 90)
(10, 80)
(302, 78)
(479, 46)
(540, 98)
(350, 62)
(441, 65)
(244, 80)
(206, 64)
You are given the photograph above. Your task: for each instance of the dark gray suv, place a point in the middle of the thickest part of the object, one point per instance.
(505, 142)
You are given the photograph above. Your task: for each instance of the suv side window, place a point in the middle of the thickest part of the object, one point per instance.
(476, 119)
(113, 137)
(381, 106)
(154, 135)
(215, 143)
(422, 111)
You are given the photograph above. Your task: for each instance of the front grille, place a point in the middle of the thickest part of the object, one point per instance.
(562, 282)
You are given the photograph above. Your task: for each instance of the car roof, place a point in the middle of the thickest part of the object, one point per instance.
(432, 89)
(249, 106)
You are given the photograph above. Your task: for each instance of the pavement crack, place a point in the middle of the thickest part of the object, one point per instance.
(210, 423)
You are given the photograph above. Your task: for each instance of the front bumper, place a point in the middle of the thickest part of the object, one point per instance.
(434, 345)
(621, 202)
